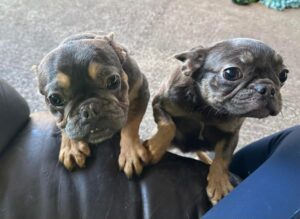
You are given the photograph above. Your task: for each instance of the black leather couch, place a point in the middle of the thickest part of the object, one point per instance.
(34, 185)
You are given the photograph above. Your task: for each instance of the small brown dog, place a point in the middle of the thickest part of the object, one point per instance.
(204, 103)
(95, 89)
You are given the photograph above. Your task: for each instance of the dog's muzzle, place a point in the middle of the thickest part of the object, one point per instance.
(96, 120)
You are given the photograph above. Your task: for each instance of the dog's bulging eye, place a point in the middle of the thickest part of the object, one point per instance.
(232, 73)
(56, 100)
(283, 75)
(113, 82)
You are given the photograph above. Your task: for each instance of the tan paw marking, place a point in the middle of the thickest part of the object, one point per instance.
(133, 157)
(218, 183)
(203, 156)
(161, 141)
(73, 153)
(157, 148)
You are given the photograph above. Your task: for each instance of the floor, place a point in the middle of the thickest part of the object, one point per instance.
(153, 31)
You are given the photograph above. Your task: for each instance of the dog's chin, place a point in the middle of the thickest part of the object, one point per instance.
(260, 113)
(255, 110)
(248, 103)
(96, 130)
(98, 136)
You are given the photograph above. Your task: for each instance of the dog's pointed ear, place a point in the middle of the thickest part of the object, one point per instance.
(192, 60)
(110, 36)
(119, 49)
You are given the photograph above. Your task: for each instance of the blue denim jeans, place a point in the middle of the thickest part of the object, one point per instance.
(270, 168)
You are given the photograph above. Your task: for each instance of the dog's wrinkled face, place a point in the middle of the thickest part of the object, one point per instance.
(240, 77)
(86, 89)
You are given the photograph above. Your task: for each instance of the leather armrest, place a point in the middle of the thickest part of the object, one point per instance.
(14, 112)
(35, 185)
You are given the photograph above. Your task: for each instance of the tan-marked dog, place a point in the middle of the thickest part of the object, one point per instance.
(95, 89)
(204, 103)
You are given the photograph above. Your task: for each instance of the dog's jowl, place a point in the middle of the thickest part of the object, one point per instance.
(95, 89)
(202, 106)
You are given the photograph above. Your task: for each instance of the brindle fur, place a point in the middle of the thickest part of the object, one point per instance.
(208, 111)
(74, 69)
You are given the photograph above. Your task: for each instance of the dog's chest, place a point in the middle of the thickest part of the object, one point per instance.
(194, 134)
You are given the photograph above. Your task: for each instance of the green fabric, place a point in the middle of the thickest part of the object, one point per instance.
(244, 2)
(281, 4)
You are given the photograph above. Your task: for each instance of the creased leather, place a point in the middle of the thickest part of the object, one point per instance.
(34, 185)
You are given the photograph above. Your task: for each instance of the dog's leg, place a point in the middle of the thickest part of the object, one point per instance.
(133, 154)
(204, 157)
(218, 177)
(161, 140)
(73, 152)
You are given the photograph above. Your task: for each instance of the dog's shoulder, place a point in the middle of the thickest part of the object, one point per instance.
(179, 94)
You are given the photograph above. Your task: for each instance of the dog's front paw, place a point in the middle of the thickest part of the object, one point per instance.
(73, 153)
(133, 157)
(157, 148)
(218, 184)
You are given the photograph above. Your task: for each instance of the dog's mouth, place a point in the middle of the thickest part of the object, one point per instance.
(98, 135)
(95, 131)
(101, 130)
(251, 104)
(261, 113)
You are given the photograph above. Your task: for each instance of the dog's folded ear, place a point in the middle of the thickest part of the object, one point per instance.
(120, 50)
(192, 60)
(35, 69)
(81, 36)
(42, 78)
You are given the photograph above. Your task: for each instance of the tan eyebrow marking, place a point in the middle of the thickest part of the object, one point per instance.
(63, 80)
(93, 69)
(246, 57)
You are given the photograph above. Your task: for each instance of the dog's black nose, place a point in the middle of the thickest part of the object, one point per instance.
(265, 89)
(90, 110)
(261, 88)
